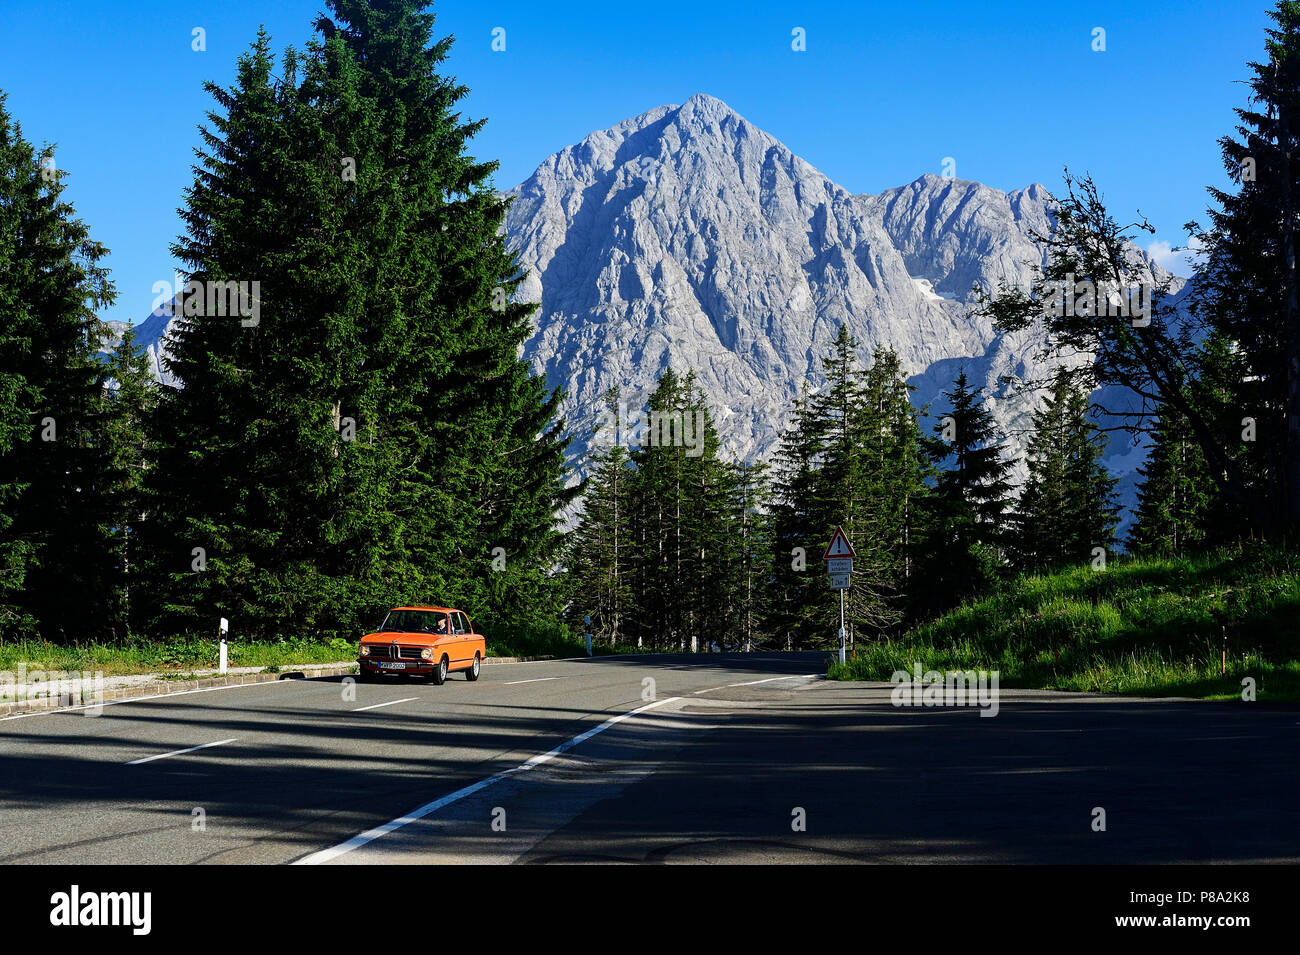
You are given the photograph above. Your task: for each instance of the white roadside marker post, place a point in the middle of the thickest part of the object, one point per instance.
(587, 628)
(225, 626)
(839, 572)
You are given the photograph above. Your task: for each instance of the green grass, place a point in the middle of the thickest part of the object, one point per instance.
(176, 657)
(1143, 626)
(545, 641)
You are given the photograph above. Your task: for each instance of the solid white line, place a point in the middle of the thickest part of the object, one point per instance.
(805, 676)
(540, 679)
(375, 706)
(152, 696)
(181, 752)
(370, 835)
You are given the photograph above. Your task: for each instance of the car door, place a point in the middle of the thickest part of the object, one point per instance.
(461, 639)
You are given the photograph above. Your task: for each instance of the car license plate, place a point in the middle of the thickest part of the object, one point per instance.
(392, 666)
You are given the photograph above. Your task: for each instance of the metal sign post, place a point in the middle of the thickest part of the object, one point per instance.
(839, 573)
(842, 624)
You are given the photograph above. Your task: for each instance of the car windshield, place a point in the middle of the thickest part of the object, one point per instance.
(414, 621)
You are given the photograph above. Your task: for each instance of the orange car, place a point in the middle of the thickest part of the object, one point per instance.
(425, 641)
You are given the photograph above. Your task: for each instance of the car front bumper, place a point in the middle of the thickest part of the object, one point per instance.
(407, 666)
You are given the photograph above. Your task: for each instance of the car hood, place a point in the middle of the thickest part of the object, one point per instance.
(396, 636)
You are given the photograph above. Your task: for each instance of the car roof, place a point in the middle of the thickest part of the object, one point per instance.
(439, 609)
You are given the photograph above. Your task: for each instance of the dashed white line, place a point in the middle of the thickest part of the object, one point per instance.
(181, 752)
(390, 703)
(370, 835)
(540, 679)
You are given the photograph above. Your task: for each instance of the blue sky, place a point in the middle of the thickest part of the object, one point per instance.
(1013, 91)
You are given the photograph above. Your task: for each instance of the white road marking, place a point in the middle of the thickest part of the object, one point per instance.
(370, 835)
(805, 676)
(180, 752)
(540, 679)
(142, 699)
(375, 706)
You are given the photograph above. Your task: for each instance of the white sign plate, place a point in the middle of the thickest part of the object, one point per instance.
(840, 581)
(839, 565)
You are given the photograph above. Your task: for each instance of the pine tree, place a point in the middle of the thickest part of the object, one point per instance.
(970, 501)
(373, 436)
(247, 467)
(848, 490)
(683, 514)
(1247, 289)
(751, 556)
(487, 451)
(897, 469)
(130, 401)
(1181, 508)
(851, 459)
(1176, 493)
(1067, 506)
(799, 605)
(712, 526)
(54, 536)
(660, 545)
(598, 550)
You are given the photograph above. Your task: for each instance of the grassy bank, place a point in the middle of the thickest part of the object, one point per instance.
(1143, 626)
(140, 656)
(554, 641)
(177, 656)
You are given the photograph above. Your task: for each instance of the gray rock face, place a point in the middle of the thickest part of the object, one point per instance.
(688, 237)
(151, 338)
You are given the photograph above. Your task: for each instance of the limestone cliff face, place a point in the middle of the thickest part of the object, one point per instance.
(689, 237)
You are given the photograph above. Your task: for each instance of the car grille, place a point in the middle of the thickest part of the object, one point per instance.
(387, 651)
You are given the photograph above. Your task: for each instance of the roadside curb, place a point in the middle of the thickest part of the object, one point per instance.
(161, 686)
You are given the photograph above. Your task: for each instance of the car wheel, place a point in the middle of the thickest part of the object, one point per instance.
(472, 673)
(364, 677)
(439, 675)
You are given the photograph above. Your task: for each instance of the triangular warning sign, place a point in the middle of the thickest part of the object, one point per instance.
(839, 546)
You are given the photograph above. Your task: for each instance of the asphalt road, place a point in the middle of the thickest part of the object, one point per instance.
(729, 758)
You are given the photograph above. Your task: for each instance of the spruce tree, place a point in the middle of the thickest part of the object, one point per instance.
(848, 490)
(683, 497)
(247, 469)
(798, 608)
(129, 402)
(972, 494)
(1176, 493)
(373, 437)
(486, 473)
(897, 470)
(598, 549)
(711, 524)
(1067, 506)
(659, 500)
(851, 459)
(751, 554)
(1247, 289)
(56, 535)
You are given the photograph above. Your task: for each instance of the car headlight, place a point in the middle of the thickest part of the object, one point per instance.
(426, 653)
(365, 650)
